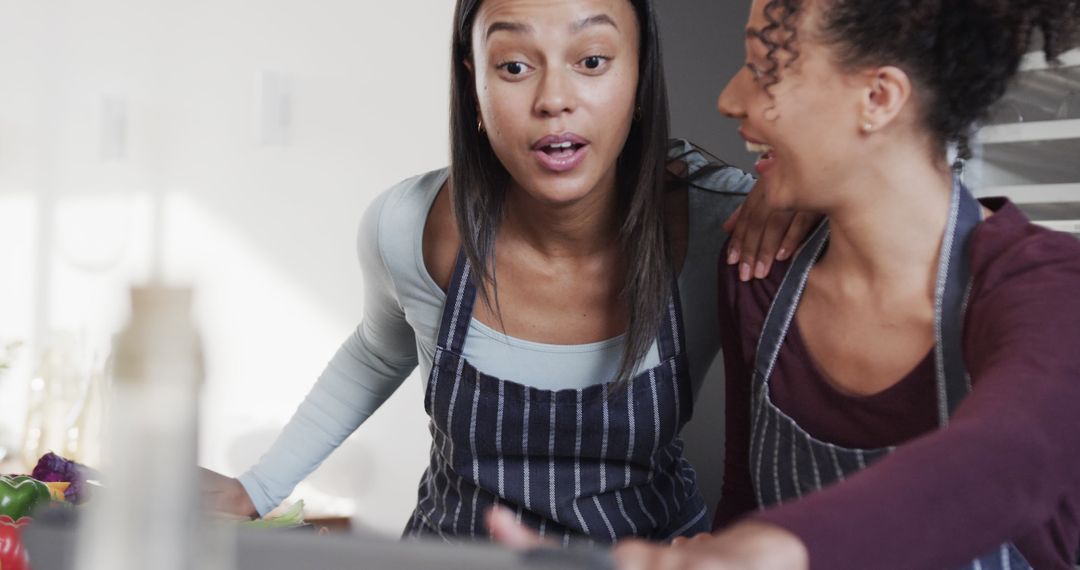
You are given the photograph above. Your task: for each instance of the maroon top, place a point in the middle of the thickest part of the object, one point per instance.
(1007, 469)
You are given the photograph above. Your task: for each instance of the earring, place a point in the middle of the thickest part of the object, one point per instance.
(867, 126)
(480, 125)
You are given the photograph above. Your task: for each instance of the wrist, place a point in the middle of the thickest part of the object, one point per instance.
(242, 503)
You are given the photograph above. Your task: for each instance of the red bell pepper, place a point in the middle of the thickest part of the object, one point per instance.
(12, 554)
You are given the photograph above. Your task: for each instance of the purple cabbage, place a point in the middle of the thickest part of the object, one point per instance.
(52, 468)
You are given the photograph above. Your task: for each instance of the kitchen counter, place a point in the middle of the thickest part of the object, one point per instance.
(50, 541)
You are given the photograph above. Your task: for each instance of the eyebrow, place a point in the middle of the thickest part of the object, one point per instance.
(513, 27)
(519, 28)
(597, 20)
(753, 33)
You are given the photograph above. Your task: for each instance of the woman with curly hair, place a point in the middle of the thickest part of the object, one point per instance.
(904, 392)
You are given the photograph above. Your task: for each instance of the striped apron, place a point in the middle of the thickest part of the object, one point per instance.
(591, 464)
(787, 462)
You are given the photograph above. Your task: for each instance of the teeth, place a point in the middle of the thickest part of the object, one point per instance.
(562, 145)
(758, 147)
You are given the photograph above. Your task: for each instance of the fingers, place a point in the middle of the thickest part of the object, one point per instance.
(640, 555)
(700, 538)
(761, 235)
(506, 530)
(748, 233)
(635, 554)
(773, 234)
(801, 225)
(686, 540)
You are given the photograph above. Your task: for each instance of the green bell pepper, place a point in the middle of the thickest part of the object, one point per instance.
(19, 495)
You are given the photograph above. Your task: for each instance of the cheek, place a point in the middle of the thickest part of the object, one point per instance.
(504, 107)
(615, 103)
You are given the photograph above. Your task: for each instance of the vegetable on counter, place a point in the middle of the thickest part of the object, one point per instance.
(54, 479)
(52, 468)
(292, 517)
(19, 495)
(13, 554)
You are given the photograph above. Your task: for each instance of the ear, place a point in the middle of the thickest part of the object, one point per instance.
(886, 94)
(468, 65)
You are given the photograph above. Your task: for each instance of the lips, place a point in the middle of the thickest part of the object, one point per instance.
(560, 153)
(767, 155)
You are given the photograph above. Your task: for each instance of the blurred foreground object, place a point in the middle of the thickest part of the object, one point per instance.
(147, 514)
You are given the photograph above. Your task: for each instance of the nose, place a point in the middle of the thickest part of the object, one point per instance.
(730, 102)
(555, 95)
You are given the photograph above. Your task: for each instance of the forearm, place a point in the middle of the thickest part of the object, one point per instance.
(938, 502)
(355, 383)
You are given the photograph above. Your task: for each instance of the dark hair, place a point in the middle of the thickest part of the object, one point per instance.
(479, 183)
(961, 54)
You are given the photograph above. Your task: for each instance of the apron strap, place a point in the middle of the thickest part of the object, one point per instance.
(950, 300)
(671, 338)
(457, 314)
(782, 310)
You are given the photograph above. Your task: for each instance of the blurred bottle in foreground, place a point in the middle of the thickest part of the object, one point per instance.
(148, 514)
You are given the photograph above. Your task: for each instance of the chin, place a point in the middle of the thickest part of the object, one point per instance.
(560, 195)
(557, 190)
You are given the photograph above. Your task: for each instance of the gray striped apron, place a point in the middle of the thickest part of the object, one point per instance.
(786, 462)
(593, 464)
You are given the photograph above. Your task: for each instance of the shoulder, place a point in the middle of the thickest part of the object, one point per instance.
(1025, 285)
(1009, 252)
(407, 201)
(394, 221)
(713, 191)
(714, 188)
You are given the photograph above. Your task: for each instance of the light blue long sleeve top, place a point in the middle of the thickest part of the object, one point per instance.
(402, 310)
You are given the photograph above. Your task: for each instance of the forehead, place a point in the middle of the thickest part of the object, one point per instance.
(531, 16)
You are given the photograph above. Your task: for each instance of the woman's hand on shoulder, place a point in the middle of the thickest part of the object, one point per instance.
(745, 546)
(761, 235)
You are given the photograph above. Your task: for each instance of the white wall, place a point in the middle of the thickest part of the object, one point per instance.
(130, 147)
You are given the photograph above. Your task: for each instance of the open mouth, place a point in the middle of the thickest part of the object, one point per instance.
(564, 149)
(765, 153)
(560, 153)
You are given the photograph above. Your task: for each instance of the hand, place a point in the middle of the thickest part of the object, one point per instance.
(745, 546)
(506, 530)
(225, 495)
(761, 235)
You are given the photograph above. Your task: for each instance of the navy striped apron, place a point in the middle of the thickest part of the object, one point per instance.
(786, 462)
(595, 464)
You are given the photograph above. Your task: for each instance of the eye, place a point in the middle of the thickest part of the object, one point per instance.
(513, 68)
(594, 63)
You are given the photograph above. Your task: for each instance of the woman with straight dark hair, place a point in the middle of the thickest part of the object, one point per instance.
(583, 231)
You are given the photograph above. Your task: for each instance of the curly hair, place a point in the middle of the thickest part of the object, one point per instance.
(961, 54)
